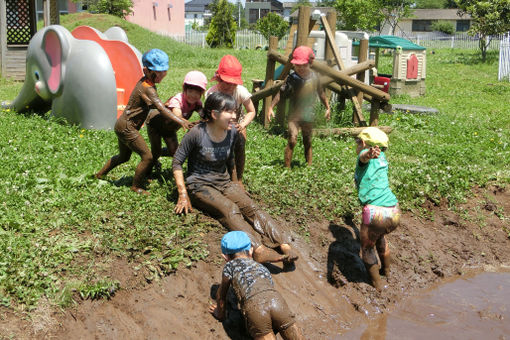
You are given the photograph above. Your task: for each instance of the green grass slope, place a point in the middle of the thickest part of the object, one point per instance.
(61, 229)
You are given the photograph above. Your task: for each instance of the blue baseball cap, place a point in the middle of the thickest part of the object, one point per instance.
(155, 60)
(235, 242)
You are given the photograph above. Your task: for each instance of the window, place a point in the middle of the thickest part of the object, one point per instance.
(254, 15)
(463, 25)
(422, 26)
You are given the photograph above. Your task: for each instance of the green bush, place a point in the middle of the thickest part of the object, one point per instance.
(445, 27)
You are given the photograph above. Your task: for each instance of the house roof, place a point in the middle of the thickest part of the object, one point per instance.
(196, 5)
(437, 14)
(391, 41)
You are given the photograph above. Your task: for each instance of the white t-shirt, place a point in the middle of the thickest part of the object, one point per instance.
(241, 94)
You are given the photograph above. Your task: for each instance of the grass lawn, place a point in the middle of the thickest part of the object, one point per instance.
(60, 228)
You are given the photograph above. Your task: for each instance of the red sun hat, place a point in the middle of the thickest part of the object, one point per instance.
(230, 70)
(301, 55)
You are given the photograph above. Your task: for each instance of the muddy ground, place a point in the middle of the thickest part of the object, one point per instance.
(327, 290)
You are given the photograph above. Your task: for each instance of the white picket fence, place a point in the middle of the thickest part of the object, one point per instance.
(247, 39)
(504, 58)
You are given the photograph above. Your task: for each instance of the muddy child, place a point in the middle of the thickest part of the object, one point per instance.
(380, 213)
(263, 308)
(228, 76)
(182, 105)
(143, 99)
(209, 149)
(302, 88)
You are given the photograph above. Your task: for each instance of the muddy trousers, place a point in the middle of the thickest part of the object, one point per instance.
(306, 131)
(235, 210)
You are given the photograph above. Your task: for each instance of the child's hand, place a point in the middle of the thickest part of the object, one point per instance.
(240, 127)
(270, 114)
(327, 115)
(213, 309)
(373, 152)
(183, 204)
(186, 124)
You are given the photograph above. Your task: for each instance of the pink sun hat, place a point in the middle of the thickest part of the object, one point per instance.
(302, 55)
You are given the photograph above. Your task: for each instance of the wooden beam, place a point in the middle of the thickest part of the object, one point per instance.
(374, 112)
(362, 56)
(273, 45)
(352, 132)
(3, 36)
(330, 38)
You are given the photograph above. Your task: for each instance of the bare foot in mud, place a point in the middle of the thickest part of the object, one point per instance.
(264, 255)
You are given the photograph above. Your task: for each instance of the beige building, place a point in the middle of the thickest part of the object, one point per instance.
(422, 20)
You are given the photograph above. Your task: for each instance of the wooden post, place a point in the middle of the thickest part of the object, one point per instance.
(328, 52)
(303, 25)
(273, 45)
(362, 56)
(374, 113)
(54, 13)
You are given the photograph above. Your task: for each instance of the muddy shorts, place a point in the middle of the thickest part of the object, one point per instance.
(126, 131)
(235, 210)
(387, 216)
(265, 312)
(162, 127)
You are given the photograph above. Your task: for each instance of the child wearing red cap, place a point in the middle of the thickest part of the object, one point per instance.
(181, 105)
(380, 214)
(302, 86)
(143, 98)
(230, 82)
(263, 308)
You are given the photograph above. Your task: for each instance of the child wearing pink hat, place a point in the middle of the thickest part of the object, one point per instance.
(182, 105)
(302, 87)
(230, 82)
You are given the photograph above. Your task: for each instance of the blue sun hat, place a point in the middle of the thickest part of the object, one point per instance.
(235, 242)
(155, 60)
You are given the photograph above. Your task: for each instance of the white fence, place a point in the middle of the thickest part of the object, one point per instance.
(246, 39)
(504, 58)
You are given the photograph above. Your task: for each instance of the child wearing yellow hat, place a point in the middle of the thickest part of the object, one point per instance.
(380, 214)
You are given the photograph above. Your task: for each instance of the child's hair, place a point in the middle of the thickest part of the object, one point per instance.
(192, 87)
(238, 254)
(217, 101)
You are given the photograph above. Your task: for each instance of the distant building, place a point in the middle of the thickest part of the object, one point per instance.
(64, 7)
(422, 20)
(257, 9)
(161, 16)
(196, 11)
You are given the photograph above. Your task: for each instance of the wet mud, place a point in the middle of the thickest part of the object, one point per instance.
(327, 289)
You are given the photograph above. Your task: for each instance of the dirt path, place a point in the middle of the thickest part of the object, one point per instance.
(327, 290)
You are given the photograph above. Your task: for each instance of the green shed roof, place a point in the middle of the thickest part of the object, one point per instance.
(391, 41)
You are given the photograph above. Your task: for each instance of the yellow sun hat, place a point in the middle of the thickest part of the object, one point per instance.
(373, 136)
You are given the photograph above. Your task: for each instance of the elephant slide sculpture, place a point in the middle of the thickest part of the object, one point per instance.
(84, 77)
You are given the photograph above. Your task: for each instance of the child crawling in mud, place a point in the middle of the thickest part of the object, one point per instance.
(380, 214)
(263, 308)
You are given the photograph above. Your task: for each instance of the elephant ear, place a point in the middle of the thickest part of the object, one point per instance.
(52, 45)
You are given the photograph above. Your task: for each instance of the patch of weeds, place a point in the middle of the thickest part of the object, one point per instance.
(102, 289)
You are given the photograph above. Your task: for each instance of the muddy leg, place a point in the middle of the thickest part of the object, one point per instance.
(263, 255)
(140, 147)
(292, 333)
(268, 336)
(369, 257)
(291, 144)
(384, 255)
(123, 156)
(240, 155)
(172, 143)
(306, 129)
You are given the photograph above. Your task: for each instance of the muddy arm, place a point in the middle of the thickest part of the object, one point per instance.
(221, 297)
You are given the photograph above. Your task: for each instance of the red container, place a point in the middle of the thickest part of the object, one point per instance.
(383, 81)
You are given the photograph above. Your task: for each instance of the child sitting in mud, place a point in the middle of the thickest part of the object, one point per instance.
(380, 214)
(181, 105)
(263, 308)
(127, 128)
(302, 87)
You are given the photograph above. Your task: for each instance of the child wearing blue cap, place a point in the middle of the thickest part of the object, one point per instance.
(380, 214)
(143, 98)
(264, 309)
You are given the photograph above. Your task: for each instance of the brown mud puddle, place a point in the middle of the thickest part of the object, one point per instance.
(327, 291)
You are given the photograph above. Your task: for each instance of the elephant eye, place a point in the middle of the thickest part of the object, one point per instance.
(36, 75)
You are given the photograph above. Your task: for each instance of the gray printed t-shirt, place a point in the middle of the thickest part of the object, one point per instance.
(208, 161)
(248, 277)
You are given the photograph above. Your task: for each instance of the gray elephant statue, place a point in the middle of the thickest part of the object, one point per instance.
(86, 81)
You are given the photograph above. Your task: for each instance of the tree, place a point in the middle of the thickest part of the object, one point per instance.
(272, 24)
(394, 10)
(362, 15)
(119, 8)
(490, 17)
(222, 29)
(444, 27)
